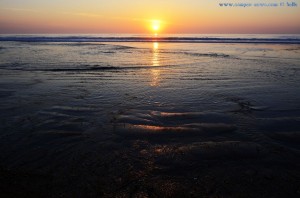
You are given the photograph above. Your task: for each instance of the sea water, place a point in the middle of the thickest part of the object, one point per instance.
(135, 104)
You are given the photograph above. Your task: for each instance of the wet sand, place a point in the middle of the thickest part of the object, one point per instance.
(182, 120)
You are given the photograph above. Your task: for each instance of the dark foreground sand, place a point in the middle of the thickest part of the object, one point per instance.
(135, 173)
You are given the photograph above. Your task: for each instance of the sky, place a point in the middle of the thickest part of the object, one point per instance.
(140, 16)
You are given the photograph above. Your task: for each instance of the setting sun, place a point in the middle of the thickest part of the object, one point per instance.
(155, 25)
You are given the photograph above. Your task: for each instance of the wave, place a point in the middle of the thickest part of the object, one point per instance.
(83, 68)
(168, 39)
(216, 55)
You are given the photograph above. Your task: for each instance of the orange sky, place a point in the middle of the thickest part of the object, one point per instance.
(128, 16)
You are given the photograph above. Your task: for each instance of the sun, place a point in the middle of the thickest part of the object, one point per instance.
(155, 25)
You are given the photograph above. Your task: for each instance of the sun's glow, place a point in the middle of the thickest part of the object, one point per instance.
(155, 25)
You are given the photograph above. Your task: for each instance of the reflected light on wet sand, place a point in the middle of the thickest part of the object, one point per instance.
(154, 128)
(155, 62)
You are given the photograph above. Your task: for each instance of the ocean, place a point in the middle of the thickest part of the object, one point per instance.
(150, 116)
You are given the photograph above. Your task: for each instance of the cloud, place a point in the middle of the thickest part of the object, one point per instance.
(83, 14)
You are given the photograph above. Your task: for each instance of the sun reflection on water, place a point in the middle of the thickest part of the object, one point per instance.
(155, 57)
(155, 62)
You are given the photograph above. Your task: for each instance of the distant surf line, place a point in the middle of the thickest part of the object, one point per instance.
(172, 39)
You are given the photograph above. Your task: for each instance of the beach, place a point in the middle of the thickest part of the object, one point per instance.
(134, 116)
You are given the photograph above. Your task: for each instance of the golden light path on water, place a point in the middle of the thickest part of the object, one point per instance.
(155, 62)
